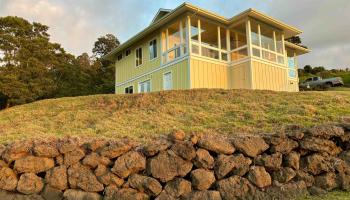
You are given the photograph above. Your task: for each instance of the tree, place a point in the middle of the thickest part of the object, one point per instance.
(319, 69)
(104, 45)
(308, 69)
(294, 40)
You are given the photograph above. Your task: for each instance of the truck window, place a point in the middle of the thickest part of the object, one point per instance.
(315, 78)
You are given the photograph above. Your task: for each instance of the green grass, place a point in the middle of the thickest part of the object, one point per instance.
(144, 116)
(336, 195)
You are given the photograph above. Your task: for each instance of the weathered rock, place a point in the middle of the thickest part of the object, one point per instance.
(50, 193)
(203, 159)
(93, 160)
(184, 149)
(153, 148)
(241, 164)
(292, 160)
(235, 187)
(291, 190)
(306, 177)
(202, 179)
(145, 184)
(320, 145)
(3, 163)
(326, 131)
(271, 162)
(57, 178)
(17, 150)
(80, 176)
(115, 150)
(167, 165)
(345, 155)
(59, 160)
(8, 179)
(281, 144)
(29, 183)
(46, 149)
(109, 192)
(175, 189)
(106, 177)
(250, 145)
(259, 177)
(326, 181)
(130, 194)
(96, 144)
(73, 157)
(203, 195)
(316, 191)
(224, 165)
(131, 162)
(177, 135)
(343, 180)
(67, 144)
(315, 164)
(283, 175)
(72, 194)
(4, 195)
(32, 164)
(216, 145)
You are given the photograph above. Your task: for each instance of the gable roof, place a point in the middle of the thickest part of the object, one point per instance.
(162, 17)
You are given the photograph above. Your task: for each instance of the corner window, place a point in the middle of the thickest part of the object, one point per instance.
(129, 90)
(127, 52)
(138, 56)
(152, 49)
(145, 86)
(167, 81)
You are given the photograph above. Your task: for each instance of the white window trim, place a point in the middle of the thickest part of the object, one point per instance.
(150, 85)
(149, 55)
(140, 47)
(171, 73)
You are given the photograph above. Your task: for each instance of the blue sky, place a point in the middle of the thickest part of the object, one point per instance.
(76, 24)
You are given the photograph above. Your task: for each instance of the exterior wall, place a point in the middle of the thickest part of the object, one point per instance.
(239, 76)
(180, 78)
(206, 74)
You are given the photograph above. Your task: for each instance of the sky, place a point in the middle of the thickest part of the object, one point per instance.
(76, 24)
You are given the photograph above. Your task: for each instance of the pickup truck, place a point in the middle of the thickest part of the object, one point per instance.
(319, 83)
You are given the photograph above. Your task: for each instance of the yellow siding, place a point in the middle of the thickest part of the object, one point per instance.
(239, 76)
(270, 77)
(179, 77)
(206, 74)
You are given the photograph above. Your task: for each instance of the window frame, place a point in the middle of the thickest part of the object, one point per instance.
(137, 48)
(171, 82)
(141, 82)
(120, 57)
(126, 52)
(149, 46)
(128, 88)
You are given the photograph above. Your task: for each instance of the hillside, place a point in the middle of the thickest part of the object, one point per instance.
(144, 116)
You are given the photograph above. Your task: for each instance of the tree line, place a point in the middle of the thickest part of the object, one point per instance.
(34, 68)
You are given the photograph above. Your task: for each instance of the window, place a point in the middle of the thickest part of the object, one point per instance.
(152, 49)
(194, 29)
(145, 86)
(138, 56)
(174, 41)
(129, 90)
(209, 34)
(119, 57)
(239, 54)
(127, 52)
(292, 73)
(223, 39)
(267, 38)
(238, 42)
(174, 35)
(255, 33)
(167, 81)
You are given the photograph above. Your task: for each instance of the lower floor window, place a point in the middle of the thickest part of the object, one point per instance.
(145, 86)
(129, 90)
(167, 81)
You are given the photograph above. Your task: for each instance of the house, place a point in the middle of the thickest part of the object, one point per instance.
(189, 47)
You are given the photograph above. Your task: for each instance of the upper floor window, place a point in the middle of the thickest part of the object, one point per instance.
(152, 49)
(238, 42)
(120, 56)
(127, 52)
(138, 56)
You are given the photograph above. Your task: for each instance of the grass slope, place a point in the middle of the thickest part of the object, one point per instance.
(144, 116)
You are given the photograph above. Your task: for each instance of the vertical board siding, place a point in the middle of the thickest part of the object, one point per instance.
(240, 76)
(208, 74)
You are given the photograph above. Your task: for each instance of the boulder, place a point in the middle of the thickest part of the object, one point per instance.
(203, 159)
(29, 183)
(281, 144)
(57, 177)
(215, 144)
(292, 160)
(250, 146)
(223, 165)
(145, 184)
(50, 193)
(235, 187)
(46, 149)
(259, 177)
(32, 164)
(4, 195)
(93, 160)
(131, 162)
(80, 176)
(283, 175)
(320, 145)
(153, 148)
(345, 155)
(184, 149)
(115, 149)
(72, 194)
(109, 192)
(106, 177)
(175, 189)
(202, 179)
(308, 179)
(17, 150)
(130, 194)
(73, 157)
(177, 135)
(8, 179)
(241, 164)
(3, 163)
(271, 162)
(316, 191)
(203, 195)
(316, 164)
(96, 143)
(167, 165)
(343, 180)
(326, 131)
(327, 181)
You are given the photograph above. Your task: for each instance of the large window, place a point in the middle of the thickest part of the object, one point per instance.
(238, 42)
(138, 56)
(167, 81)
(152, 49)
(145, 86)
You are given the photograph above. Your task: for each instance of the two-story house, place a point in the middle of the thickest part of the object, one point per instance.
(189, 47)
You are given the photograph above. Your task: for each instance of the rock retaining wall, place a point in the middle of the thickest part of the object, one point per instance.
(203, 167)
